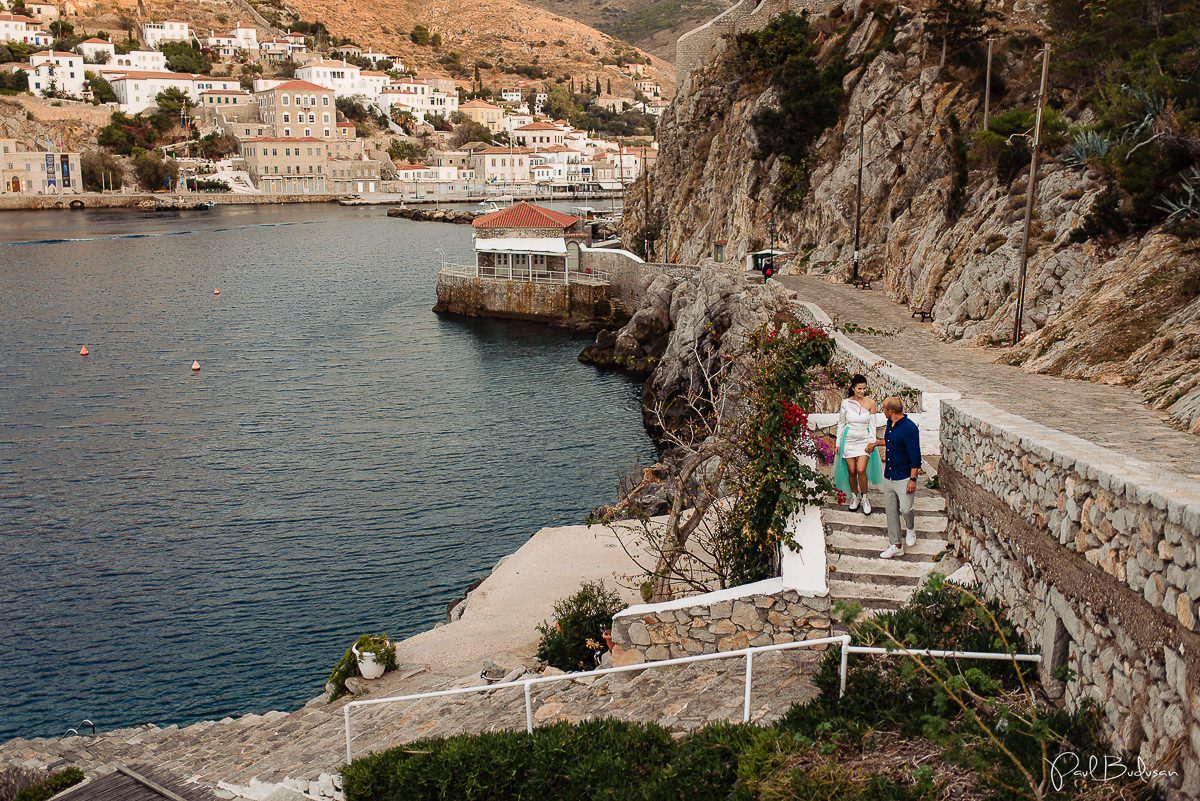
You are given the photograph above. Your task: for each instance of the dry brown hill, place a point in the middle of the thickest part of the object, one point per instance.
(503, 33)
(652, 25)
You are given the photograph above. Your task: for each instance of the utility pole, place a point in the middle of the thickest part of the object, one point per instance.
(1031, 192)
(858, 196)
(987, 90)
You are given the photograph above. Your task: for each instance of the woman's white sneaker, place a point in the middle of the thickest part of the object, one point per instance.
(892, 550)
(910, 538)
(866, 505)
(853, 503)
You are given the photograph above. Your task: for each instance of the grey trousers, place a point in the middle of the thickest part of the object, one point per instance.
(898, 503)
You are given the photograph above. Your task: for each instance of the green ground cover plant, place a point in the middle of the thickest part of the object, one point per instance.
(982, 723)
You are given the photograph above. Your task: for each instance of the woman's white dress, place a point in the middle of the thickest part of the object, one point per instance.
(862, 429)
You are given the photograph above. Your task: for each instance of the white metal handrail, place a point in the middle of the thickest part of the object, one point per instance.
(748, 653)
(593, 278)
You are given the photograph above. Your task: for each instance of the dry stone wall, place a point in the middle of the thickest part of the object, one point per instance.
(1097, 558)
(668, 631)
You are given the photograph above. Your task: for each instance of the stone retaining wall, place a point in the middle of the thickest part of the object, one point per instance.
(768, 616)
(92, 200)
(1097, 557)
(578, 306)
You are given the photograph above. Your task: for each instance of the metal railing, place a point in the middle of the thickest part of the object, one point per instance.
(594, 278)
(748, 653)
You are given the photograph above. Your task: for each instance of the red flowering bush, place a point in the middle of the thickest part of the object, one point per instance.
(787, 362)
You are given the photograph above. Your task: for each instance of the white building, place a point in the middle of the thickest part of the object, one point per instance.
(242, 39)
(93, 48)
(538, 134)
(156, 34)
(53, 71)
(39, 172)
(144, 60)
(501, 166)
(137, 91)
(46, 12)
(15, 28)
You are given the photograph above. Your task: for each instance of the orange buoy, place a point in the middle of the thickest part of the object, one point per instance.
(83, 351)
(217, 291)
(195, 366)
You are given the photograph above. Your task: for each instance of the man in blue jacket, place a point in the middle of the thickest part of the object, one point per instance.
(902, 460)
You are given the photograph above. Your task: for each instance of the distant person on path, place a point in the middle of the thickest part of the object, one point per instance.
(857, 466)
(902, 460)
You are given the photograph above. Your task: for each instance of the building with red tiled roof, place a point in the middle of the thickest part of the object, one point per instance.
(526, 215)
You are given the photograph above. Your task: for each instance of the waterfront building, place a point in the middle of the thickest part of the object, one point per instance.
(97, 51)
(38, 172)
(525, 242)
(353, 175)
(156, 34)
(53, 71)
(287, 164)
(501, 166)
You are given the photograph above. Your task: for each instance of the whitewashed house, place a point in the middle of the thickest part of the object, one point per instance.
(54, 71)
(156, 34)
(97, 50)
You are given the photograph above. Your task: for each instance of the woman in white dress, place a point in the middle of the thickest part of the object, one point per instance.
(855, 430)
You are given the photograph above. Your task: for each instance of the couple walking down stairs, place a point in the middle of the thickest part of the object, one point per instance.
(854, 541)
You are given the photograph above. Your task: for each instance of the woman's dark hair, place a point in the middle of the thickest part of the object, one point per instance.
(857, 379)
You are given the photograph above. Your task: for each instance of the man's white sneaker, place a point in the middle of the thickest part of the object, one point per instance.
(853, 503)
(892, 550)
(910, 538)
(866, 505)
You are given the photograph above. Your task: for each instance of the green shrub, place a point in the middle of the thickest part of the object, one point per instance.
(347, 666)
(52, 785)
(572, 642)
(596, 759)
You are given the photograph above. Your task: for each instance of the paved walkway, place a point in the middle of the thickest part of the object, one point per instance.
(1112, 417)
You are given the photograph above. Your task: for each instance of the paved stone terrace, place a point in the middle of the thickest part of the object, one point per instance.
(311, 741)
(1112, 417)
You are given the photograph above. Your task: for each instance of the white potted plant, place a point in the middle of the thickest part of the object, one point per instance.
(376, 654)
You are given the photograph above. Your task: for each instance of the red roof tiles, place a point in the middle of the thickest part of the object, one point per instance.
(525, 215)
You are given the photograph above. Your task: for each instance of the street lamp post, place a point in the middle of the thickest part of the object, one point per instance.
(771, 254)
(858, 195)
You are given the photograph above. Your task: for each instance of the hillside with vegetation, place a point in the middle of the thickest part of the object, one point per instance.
(495, 42)
(768, 132)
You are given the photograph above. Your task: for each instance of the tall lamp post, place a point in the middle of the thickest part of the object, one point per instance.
(858, 196)
(771, 254)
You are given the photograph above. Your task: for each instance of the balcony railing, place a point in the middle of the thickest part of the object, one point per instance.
(592, 278)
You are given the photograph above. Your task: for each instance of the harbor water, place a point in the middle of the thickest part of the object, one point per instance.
(180, 545)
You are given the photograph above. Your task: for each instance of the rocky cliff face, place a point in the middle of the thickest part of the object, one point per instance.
(1126, 312)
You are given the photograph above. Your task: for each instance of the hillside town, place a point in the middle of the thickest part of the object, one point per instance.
(279, 115)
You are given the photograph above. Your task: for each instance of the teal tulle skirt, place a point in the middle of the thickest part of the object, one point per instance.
(841, 473)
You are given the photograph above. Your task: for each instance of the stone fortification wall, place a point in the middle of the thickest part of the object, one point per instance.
(1097, 558)
(687, 627)
(580, 306)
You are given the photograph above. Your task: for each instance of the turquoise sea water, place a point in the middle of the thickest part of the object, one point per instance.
(177, 546)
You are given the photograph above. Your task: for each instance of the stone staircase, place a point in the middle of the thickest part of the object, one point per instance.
(854, 542)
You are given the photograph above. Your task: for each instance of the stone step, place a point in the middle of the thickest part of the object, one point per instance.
(873, 570)
(870, 596)
(848, 543)
(857, 522)
(926, 503)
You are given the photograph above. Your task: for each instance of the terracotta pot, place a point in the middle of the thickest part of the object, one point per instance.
(607, 635)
